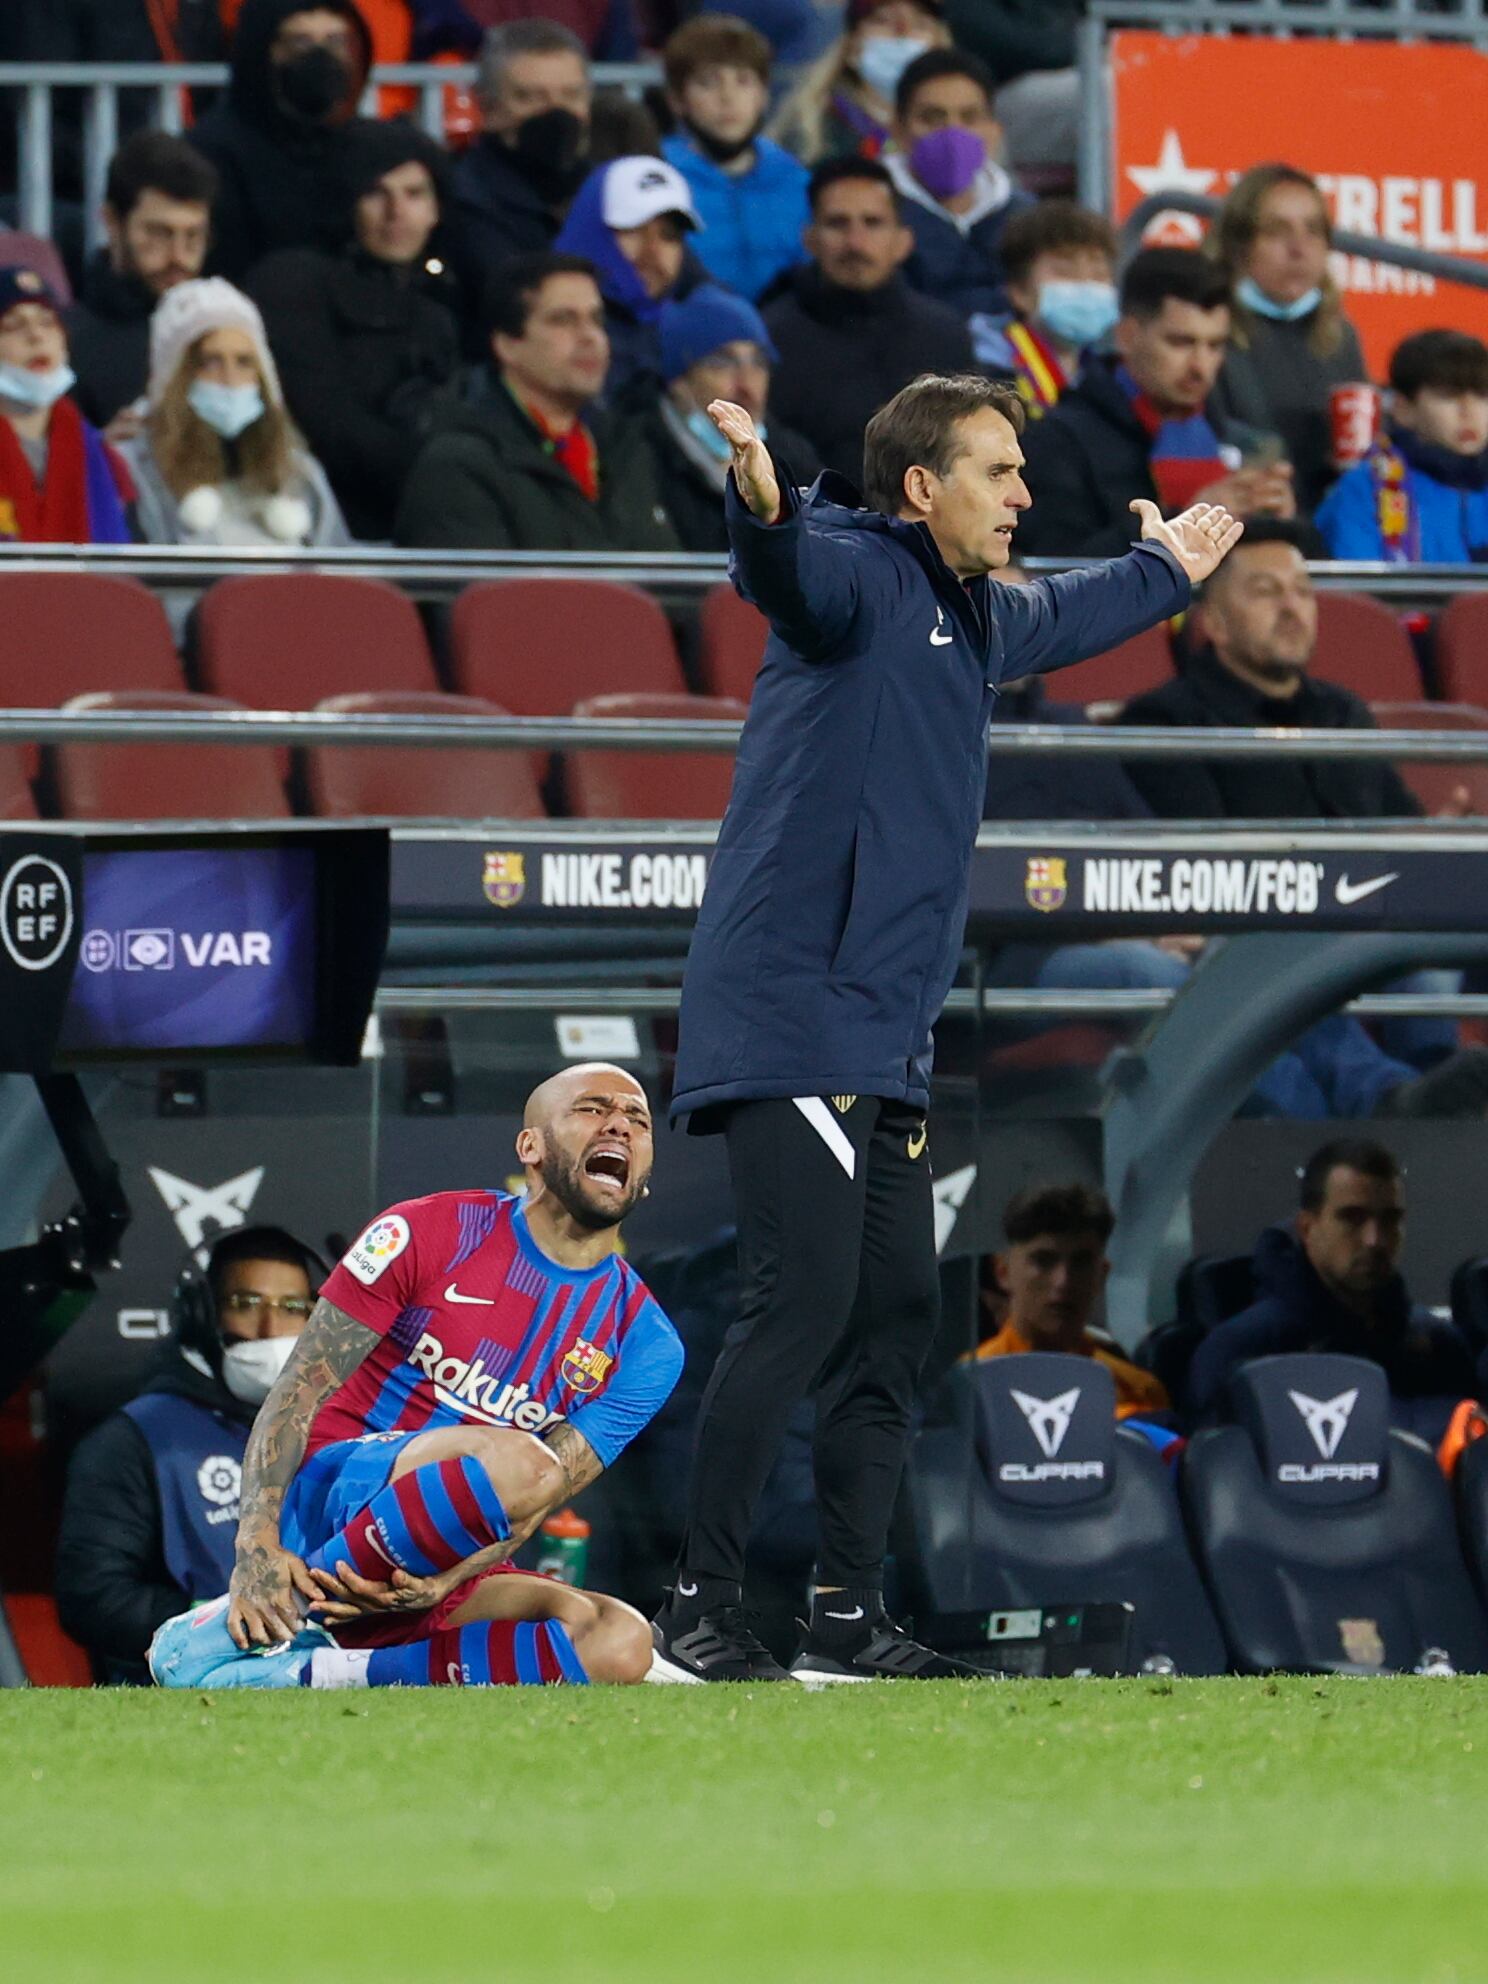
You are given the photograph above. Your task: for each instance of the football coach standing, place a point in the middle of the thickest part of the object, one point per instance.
(827, 941)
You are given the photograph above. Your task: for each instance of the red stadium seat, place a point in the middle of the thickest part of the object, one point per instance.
(50, 1658)
(1362, 645)
(538, 646)
(652, 785)
(478, 783)
(169, 781)
(1462, 649)
(1435, 784)
(731, 643)
(18, 766)
(286, 641)
(1144, 662)
(66, 633)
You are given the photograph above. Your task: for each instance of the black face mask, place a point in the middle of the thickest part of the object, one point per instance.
(721, 151)
(313, 84)
(551, 148)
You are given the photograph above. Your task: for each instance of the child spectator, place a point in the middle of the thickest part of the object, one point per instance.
(844, 104)
(631, 218)
(219, 461)
(749, 193)
(1421, 498)
(60, 481)
(957, 198)
(1290, 342)
(1060, 264)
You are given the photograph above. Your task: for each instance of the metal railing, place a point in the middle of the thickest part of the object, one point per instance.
(1390, 20)
(439, 575)
(314, 728)
(162, 84)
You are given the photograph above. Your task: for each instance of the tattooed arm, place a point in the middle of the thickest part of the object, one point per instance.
(580, 1463)
(266, 1575)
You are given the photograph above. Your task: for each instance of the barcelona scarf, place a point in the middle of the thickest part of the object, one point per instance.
(82, 498)
(1398, 519)
(1185, 456)
(1037, 373)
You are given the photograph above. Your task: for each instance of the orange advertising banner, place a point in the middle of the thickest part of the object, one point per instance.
(1395, 134)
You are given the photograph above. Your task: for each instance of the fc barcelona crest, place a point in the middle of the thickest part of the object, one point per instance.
(585, 1368)
(1045, 883)
(505, 879)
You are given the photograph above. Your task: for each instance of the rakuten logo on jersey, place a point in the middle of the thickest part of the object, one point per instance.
(470, 1390)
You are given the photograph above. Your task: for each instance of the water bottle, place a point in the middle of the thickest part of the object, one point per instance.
(1435, 1660)
(563, 1552)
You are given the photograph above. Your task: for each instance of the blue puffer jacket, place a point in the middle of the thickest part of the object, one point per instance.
(1451, 519)
(836, 906)
(752, 220)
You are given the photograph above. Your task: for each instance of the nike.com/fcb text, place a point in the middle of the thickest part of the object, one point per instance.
(1200, 885)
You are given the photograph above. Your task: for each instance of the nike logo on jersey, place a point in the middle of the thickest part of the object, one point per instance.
(856, 1613)
(939, 638)
(452, 1294)
(1347, 891)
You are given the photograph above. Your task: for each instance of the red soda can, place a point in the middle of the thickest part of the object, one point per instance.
(1353, 418)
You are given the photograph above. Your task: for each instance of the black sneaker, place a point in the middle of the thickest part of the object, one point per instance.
(717, 1646)
(886, 1653)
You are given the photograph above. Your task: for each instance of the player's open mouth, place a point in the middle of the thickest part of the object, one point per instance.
(608, 1164)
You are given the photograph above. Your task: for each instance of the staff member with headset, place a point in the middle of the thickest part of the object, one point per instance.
(151, 1507)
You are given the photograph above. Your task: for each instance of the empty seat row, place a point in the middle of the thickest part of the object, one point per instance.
(1308, 1536)
(273, 641)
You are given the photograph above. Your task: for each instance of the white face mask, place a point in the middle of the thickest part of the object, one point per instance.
(35, 389)
(251, 1370)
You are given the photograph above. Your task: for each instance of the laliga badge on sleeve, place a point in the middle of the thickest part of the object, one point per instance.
(381, 1244)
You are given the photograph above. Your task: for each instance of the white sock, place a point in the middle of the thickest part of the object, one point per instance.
(339, 1666)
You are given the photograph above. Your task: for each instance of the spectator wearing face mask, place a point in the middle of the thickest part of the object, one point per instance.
(1060, 265)
(1421, 497)
(844, 104)
(512, 186)
(219, 460)
(957, 198)
(631, 219)
(749, 193)
(714, 346)
(60, 481)
(151, 1508)
(279, 136)
(1290, 342)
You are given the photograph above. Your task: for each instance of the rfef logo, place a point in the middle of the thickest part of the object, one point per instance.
(35, 912)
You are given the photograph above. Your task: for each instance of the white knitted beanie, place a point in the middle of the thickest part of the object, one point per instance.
(190, 311)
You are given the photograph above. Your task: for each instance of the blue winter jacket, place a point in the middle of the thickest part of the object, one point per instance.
(1453, 522)
(752, 220)
(835, 910)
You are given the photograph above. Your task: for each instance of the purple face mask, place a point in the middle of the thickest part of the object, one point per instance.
(945, 162)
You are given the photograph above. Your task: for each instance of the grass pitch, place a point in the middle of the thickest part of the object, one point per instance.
(1275, 1832)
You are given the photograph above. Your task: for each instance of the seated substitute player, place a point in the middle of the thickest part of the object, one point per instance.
(473, 1362)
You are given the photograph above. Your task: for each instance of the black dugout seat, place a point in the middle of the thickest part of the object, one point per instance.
(1023, 1491)
(1327, 1539)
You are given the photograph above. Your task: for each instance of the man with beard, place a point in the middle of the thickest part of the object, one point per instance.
(474, 1361)
(156, 215)
(513, 186)
(280, 137)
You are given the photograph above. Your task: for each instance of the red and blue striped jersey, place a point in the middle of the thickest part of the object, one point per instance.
(476, 1323)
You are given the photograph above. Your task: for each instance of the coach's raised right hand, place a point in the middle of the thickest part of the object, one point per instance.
(264, 1582)
(753, 470)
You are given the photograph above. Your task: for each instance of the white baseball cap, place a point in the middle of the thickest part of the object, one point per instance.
(642, 188)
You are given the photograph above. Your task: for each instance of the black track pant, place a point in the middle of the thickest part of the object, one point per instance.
(839, 1293)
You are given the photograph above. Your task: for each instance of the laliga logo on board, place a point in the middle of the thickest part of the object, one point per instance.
(35, 912)
(585, 1368)
(504, 879)
(1046, 883)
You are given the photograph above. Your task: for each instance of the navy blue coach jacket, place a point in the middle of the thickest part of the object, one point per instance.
(836, 906)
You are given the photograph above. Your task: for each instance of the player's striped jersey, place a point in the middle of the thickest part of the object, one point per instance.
(477, 1324)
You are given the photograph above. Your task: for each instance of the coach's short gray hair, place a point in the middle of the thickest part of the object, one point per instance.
(503, 44)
